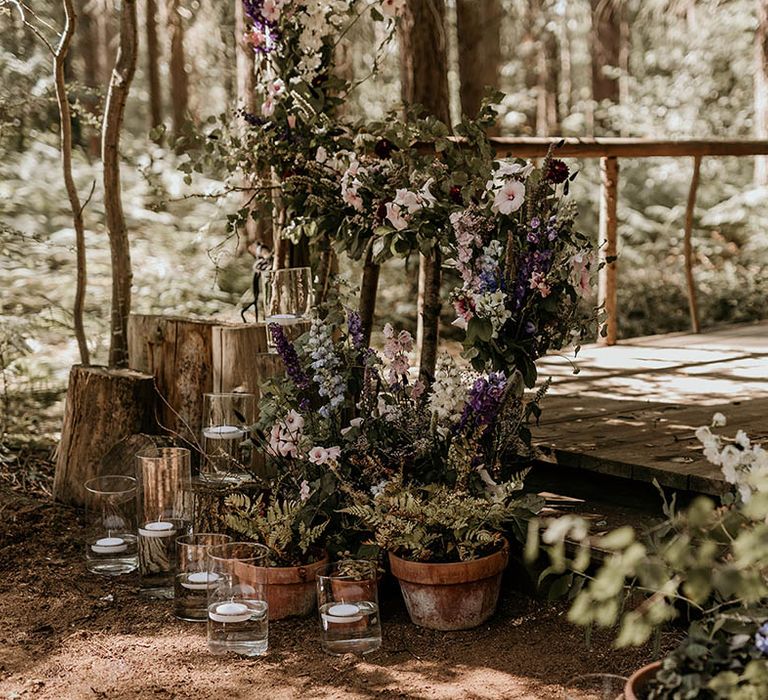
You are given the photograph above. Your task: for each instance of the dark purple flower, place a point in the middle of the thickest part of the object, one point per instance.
(455, 195)
(355, 328)
(533, 236)
(535, 222)
(557, 171)
(761, 639)
(484, 400)
(289, 357)
(384, 148)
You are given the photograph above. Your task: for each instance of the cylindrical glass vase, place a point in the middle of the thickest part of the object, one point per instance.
(227, 454)
(165, 512)
(110, 525)
(287, 295)
(193, 580)
(348, 603)
(238, 613)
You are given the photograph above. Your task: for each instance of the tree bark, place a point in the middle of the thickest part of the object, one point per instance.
(88, 47)
(761, 88)
(177, 69)
(244, 62)
(606, 48)
(479, 46)
(114, 111)
(103, 407)
(153, 66)
(424, 81)
(368, 288)
(65, 130)
(548, 85)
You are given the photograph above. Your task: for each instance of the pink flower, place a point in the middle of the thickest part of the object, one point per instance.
(318, 455)
(509, 198)
(406, 341)
(322, 155)
(271, 10)
(268, 106)
(393, 8)
(408, 200)
(256, 38)
(538, 281)
(395, 217)
(580, 264)
(292, 121)
(351, 197)
(333, 453)
(304, 492)
(276, 87)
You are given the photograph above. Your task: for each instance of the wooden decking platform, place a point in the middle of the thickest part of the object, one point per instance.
(632, 409)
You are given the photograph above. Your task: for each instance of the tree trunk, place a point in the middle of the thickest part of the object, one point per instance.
(548, 85)
(114, 111)
(65, 130)
(179, 353)
(368, 288)
(88, 48)
(424, 81)
(153, 66)
(761, 89)
(244, 62)
(178, 71)
(606, 48)
(103, 407)
(479, 46)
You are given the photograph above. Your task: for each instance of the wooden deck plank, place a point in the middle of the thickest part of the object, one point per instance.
(634, 408)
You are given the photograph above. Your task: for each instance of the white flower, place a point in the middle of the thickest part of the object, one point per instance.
(427, 198)
(510, 168)
(333, 453)
(730, 460)
(318, 455)
(268, 106)
(276, 87)
(460, 322)
(293, 421)
(304, 492)
(389, 331)
(408, 200)
(718, 420)
(395, 216)
(742, 440)
(354, 423)
(378, 489)
(322, 155)
(509, 198)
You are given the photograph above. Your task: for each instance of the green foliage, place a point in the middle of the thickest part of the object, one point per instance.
(289, 528)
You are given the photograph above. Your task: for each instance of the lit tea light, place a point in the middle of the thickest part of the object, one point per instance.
(201, 580)
(342, 613)
(160, 528)
(282, 319)
(109, 545)
(223, 432)
(230, 612)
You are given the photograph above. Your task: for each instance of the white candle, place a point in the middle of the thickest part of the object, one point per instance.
(230, 612)
(342, 613)
(109, 545)
(200, 580)
(282, 319)
(159, 528)
(223, 432)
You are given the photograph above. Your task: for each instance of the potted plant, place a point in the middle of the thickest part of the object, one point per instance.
(294, 533)
(708, 559)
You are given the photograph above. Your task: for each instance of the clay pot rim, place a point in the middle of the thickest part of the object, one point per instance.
(642, 673)
(450, 573)
(291, 574)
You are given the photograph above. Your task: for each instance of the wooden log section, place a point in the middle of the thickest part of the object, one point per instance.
(607, 240)
(693, 305)
(103, 407)
(178, 352)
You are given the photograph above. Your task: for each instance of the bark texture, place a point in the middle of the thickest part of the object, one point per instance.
(606, 50)
(177, 68)
(114, 111)
(65, 131)
(153, 65)
(479, 47)
(368, 288)
(103, 407)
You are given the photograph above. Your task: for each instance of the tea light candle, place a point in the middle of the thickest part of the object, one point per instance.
(230, 612)
(200, 580)
(282, 319)
(109, 545)
(342, 613)
(158, 529)
(223, 432)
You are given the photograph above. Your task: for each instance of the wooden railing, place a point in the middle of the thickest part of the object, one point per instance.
(609, 150)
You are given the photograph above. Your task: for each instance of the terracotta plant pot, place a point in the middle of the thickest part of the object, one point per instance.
(637, 682)
(455, 596)
(292, 590)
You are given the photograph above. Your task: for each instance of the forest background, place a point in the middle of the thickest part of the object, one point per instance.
(661, 69)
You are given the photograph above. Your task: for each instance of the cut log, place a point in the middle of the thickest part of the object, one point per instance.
(103, 407)
(178, 352)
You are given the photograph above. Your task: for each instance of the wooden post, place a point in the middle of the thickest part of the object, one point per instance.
(693, 305)
(103, 407)
(607, 239)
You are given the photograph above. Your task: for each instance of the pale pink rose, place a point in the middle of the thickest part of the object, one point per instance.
(395, 216)
(318, 455)
(509, 198)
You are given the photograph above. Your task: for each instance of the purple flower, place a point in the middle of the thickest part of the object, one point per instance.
(289, 357)
(761, 639)
(484, 400)
(535, 222)
(355, 328)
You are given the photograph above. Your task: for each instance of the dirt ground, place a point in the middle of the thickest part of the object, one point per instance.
(68, 634)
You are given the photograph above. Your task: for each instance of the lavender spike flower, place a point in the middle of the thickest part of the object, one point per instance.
(289, 357)
(484, 400)
(355, 328)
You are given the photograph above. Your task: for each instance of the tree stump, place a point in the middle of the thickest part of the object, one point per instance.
(178, 352)
(103, 407)
(121, 459)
